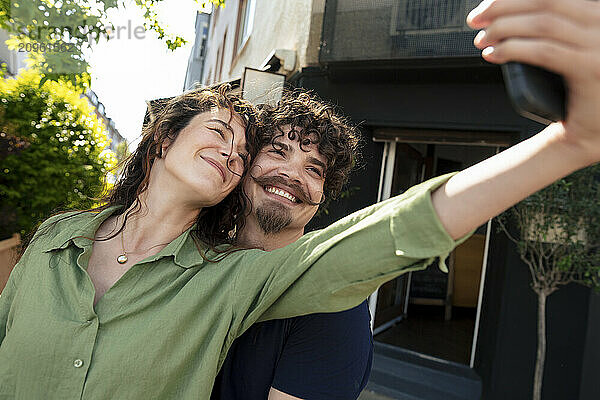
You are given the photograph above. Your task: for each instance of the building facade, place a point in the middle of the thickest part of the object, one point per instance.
(111, 129)
(194, 72)
(427, 104)
(14, 59)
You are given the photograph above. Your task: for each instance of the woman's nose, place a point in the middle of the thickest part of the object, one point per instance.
(234, 162)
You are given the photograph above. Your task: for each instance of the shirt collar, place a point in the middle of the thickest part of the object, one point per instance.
(189, 251)
(78, 228)
(185, 252)
(70, 226)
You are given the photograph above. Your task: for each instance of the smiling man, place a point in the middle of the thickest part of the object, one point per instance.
(317, 356)
(286, 186)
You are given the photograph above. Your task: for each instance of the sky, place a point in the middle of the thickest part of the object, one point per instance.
(127, 71)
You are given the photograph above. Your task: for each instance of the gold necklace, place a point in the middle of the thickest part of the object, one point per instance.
(122, 258)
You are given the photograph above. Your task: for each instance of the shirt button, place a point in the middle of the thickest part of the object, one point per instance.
(78, 363)
(399, 253)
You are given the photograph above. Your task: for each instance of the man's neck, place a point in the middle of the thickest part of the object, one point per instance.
(253, 236)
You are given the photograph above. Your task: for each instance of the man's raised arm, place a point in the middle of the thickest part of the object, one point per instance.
(562, 36)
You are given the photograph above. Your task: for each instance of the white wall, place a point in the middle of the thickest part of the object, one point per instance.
(278, 24)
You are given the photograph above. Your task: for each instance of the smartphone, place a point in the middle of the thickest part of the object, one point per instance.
(535, 93)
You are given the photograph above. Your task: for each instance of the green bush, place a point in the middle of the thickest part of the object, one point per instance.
(53, 151)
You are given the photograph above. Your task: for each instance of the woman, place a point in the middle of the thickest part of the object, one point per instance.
(180, 187)
(192, 156)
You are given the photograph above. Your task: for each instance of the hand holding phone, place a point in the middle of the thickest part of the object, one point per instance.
(535, 92)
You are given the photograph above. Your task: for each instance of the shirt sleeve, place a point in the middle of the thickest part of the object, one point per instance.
(336, 268)
(327, 356)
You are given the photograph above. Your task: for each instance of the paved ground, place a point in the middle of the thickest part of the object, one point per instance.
(368, 395)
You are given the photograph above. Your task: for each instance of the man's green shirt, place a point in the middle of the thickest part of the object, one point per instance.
(163, 330)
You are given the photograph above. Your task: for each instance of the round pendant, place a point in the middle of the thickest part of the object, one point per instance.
(122, 259)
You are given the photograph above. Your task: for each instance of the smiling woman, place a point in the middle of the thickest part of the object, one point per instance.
(184, 174)
(193, 139)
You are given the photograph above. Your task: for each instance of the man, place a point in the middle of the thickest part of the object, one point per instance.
(289, 174)
(324, 356)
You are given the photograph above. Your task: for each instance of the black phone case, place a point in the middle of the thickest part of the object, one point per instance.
(536, 94)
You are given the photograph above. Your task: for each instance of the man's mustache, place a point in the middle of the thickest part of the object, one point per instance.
(297, 190)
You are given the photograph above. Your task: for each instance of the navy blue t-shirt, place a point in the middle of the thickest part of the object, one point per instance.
(316, 356)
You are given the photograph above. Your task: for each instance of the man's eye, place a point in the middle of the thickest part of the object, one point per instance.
(316, 171)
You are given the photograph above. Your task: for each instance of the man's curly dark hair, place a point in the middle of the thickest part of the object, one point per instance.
(313, 120)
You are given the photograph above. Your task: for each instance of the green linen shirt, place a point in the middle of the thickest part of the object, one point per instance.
(163, 330)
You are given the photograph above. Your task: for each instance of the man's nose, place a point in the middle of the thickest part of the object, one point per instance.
(291, 172)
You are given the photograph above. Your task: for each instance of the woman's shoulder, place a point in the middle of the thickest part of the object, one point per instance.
(62, 224)
(62, 219)
(55, 231)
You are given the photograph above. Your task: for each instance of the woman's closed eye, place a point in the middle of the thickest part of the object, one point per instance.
(219, 131)
(278, 152)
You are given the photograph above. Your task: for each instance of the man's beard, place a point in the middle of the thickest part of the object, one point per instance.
(273, 217)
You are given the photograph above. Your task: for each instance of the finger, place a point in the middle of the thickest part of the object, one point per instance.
(535, 25)
(584, 12)
(551, 55)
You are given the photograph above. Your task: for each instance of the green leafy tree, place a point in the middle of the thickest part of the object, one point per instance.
(558, 238)
(55, 33)
(53, 151)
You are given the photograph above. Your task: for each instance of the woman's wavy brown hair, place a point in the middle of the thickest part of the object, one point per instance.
(313, 120)
(166, 120)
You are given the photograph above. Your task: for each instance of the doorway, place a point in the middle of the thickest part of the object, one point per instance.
(432, 312)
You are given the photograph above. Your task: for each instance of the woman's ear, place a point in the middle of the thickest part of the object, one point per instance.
(161, 149)
(164, 147)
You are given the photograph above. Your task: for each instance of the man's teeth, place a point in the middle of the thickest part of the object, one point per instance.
(281, 193)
